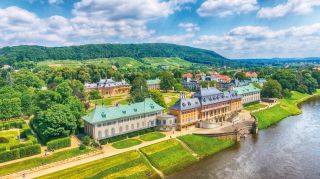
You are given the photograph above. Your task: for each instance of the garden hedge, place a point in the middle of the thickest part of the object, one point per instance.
(59, 143)
(9, 155)
(30, 150)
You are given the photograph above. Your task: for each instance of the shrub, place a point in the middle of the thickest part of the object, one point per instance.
(3, 148)
(9, 155)
(30, 150)
(86, 140)
(59, 143)
(82, 147)
(21, 145)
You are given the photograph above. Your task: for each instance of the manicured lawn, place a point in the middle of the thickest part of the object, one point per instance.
(126, 165)
(126, 143)
(205, 146)
(152, 136)
(255, 107)
(168, 156)
(27, 164)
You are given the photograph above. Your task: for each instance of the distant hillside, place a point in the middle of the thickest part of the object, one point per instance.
(136, 51)
(279, 61)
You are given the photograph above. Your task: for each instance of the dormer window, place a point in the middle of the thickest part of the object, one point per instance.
(135, 109)
(124, 112)
(183, 104)
(189, 103)
(103, 115)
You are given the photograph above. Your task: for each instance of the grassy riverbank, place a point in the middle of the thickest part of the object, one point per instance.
(38, 161)
(287, 107)
(205, 146)
(126, 165)
(168, 156)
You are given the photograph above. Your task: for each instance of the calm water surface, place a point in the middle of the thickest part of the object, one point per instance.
(290, 149)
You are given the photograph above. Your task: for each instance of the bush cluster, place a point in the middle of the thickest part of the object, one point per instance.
(125, 136)
(6, 125)
(59, 143)
(20, 152)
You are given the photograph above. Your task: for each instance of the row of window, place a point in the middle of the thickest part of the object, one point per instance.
(125, 120)
(122, 129)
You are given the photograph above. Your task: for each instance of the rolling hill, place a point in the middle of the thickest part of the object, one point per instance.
(95, 51)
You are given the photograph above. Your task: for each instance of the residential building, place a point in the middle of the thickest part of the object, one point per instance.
(248, 93)
(221, 78)
(190, 84)
(153, 84)
(109, 87)
(187, 75)
(251, 74)
(104, 122)
(166, 122)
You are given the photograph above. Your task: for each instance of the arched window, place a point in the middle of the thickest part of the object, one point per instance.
(127, 127)
(113, 131)
(138, 125)
(99, 135)
(132, 126)
(120, 129)
(106, 133)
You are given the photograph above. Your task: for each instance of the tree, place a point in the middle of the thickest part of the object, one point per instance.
(45, 98)
(77, 109)
(287, 93)
(27, 78)
(94, 94)
(240, 76)
(64, 90)
(167, 81)
(271, 89)
(55, 122)
(157, 97)
(139, 89)
(178, 87)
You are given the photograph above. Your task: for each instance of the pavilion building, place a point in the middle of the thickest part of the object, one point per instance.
(109, 87)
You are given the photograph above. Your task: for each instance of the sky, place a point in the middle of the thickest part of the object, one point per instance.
(233, 28)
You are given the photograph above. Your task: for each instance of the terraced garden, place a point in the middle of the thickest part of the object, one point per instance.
(205, 146)
(126, 165)
(126, 143)
(152, 136)
(34, 162)
(168, 156)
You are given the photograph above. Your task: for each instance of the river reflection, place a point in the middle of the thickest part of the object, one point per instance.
(290, 149)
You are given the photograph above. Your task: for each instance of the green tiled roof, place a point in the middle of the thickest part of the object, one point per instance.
(246, 89)
(153, 82)
(102, 113)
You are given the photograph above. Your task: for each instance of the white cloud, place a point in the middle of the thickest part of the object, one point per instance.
(176, 39)
(189, 27)
(93, 21)
(226, 7)
(55, 1)
(263, 42)
(292, 6)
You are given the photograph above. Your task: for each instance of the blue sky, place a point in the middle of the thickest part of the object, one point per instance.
(233, 28)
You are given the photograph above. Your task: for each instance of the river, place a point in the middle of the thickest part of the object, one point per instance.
(290, 149)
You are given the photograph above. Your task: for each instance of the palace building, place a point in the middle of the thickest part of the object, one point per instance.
(104, 122)
(207, 108)
(248, 93)
(153, 84)
(109, 87)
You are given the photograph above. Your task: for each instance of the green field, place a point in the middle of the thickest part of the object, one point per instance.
(205, 146)
(34, 162)
(126, 165)
(109, 100)
(255, 107)
(152, 136)
(286, 108)
(168, 156)
(172, 62)
(126, 143)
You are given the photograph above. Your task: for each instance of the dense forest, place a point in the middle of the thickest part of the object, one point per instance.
(10, 55)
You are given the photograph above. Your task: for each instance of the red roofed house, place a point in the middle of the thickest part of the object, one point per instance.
(251, 75)
(221, 78)
(114, 67)
(187, 75)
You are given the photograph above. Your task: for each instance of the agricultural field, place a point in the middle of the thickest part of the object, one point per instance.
(205, 146)
(168, 156)
(126, 165)
(152, 136)
(126, 143)
(35, 162)
(172, 62)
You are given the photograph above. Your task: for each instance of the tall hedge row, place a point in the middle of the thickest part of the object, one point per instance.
(59, 143)
(20, 153)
